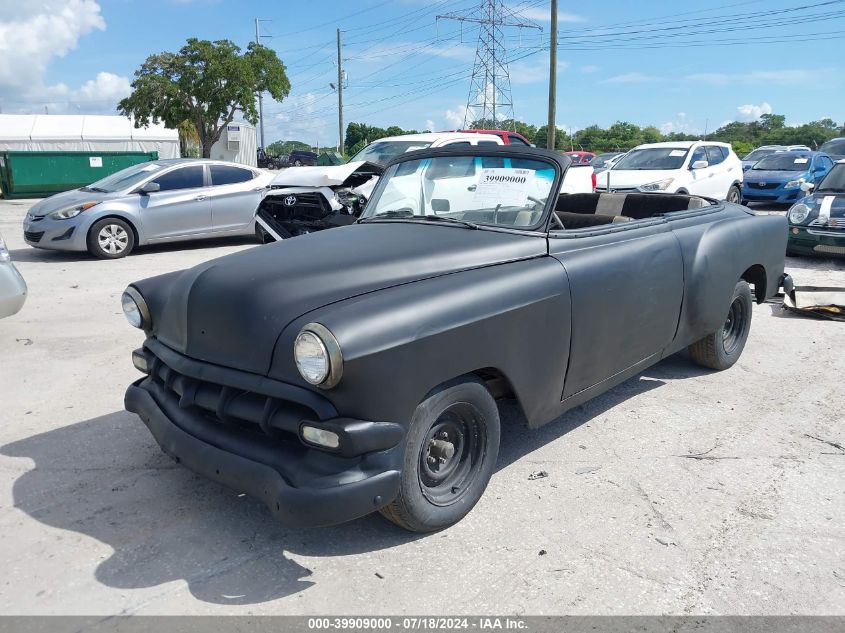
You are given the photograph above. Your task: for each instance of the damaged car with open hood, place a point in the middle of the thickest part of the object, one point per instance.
(358, 370)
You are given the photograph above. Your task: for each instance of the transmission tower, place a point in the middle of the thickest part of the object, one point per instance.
(489, 96)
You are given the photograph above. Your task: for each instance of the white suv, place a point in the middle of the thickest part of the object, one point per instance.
(699, 168)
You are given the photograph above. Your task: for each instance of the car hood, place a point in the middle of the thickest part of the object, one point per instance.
(837, 204)
(766, 175)
(230, 311)
(68, 199)
(322, 176)
(623, 178)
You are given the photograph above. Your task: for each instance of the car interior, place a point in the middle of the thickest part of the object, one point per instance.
(581, 210)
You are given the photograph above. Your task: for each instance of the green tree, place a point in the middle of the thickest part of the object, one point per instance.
(358, 135)
(206, 83)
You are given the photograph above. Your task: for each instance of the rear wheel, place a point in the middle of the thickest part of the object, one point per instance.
(722, 348)
(734, 195)
(452, 446)
(111, 238)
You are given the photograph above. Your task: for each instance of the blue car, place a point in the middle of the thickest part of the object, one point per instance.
(777, 178)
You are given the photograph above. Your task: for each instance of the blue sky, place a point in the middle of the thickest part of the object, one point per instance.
(679, 66)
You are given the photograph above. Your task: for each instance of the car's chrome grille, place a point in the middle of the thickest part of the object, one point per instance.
(763, 185)
(827, 248)
(832, 223)
(33, 236)
(246, 411)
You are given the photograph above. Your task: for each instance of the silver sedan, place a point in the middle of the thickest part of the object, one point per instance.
(12, 285)
(159, 201)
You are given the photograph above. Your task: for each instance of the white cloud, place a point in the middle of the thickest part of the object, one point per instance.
(527, 73)
(590, 68)
(541, 14)
(300, 117)
(455, 118)
(680, 124)
(630, 78)
(783, 77)
(33, 33)
(429, 125)
(751, 112)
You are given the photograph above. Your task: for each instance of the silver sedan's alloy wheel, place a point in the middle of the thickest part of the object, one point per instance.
(113, 239)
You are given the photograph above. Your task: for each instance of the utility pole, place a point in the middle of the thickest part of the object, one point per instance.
(551, 132)
(339, 98)
(258, 37)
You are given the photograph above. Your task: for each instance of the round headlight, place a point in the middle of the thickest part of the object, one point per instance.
(135, 308)
(798, 213)
(317, 355)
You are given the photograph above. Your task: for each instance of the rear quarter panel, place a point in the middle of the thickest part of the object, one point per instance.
(718, 248)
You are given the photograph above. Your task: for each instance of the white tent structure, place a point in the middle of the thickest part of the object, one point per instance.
(84, 133)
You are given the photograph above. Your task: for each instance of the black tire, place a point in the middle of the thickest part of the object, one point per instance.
(722, 348)
(297, 163)
(435, 494)
(111, 238)
(734, 195)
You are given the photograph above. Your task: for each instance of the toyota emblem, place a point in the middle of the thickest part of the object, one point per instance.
(290, 201)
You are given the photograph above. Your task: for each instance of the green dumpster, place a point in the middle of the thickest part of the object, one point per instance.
(41, 174)
(327, 159)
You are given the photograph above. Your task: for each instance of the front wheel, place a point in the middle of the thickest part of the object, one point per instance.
(734, 195)
(111, 238)
(722, 348)
(451, 450)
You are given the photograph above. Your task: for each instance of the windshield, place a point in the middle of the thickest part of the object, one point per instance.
(652, 159)
(835, 147)
(465, 189)
(125, 178)
(834, 181)
(783, 162)
(382, 152)
(757, 154)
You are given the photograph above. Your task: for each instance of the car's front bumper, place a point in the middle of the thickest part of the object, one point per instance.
(60, 235)
(816, 241)
(775, 196)
(302, 485)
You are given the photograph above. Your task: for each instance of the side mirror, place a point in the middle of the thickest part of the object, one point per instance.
(149, 187)
(807, 187)
(699, 164)
(440, 205)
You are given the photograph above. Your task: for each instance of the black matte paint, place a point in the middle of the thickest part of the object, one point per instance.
(561, 315)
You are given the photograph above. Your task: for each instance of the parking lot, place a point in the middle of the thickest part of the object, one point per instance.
(680, 491)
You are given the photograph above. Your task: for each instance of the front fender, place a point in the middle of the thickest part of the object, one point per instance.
(401, 342)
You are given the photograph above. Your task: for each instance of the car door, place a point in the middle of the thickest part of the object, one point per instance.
(722, 178)
(626, 284)
(235, 193)
(180, 207)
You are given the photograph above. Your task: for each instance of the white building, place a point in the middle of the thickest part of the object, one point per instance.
(238, 143)
(84, 133)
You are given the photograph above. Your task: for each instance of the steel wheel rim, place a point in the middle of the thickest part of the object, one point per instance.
(733, 196)
(734, 326)
(444, 479)
(113, 239)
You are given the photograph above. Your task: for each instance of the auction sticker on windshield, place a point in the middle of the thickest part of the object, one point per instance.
(503, 186)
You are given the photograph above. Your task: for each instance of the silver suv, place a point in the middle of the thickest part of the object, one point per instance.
(159, 201)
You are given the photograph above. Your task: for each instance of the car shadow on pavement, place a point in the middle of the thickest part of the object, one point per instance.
(106, 478)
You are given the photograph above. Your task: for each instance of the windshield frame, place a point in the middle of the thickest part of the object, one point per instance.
(140, 168)
(802, 167)
(558, 162)
(836, 167)
(423, 145)
(618, 165)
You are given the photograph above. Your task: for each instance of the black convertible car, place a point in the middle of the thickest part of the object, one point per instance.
(357, 369)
